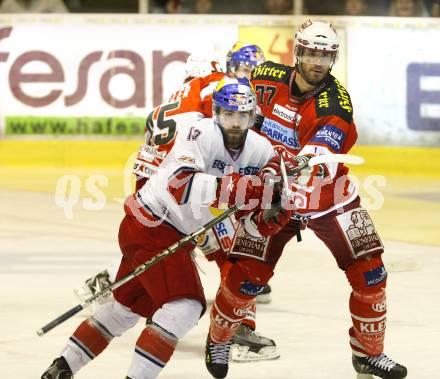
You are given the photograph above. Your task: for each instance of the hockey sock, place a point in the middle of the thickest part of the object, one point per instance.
(153, 350)
(250, 319)
(367, 306)
(225, 266)
(88, 341)
(244, 280)
(226, 315)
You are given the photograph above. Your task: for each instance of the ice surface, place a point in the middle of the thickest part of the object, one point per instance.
(43, 257)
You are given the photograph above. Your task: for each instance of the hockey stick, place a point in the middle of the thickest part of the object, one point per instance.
(283, 172)
(286, 191)
(137, 271)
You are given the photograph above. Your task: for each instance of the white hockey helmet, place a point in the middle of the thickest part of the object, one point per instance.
(317, 36)
(199, 65)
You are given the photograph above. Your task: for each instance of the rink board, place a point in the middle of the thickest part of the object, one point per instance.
(392, 160)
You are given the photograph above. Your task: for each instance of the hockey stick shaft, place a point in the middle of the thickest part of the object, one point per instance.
(60, 319)
(137, 271)
(284, 173)
(286, 191)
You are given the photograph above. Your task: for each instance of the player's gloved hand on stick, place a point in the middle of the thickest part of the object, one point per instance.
(271, 168)
(235, 189)
(303, 178)
(270, 221)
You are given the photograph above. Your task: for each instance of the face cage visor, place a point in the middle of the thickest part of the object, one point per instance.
(241, 69)
(315, 56)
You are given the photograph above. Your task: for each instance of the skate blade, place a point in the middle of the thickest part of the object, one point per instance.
(365, 376)
(242, 354)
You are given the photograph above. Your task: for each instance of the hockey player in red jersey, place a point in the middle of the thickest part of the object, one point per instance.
(202, 169)
(304, 111)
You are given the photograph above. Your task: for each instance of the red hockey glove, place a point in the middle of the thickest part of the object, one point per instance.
(302, 175)
(272, 167)
(270, 176)
(270, 221)
(235, 189)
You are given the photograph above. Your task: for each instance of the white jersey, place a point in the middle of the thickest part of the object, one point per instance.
(199, 149)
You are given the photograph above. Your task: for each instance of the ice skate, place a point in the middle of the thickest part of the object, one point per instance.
(380, 366)
(249, 346)
(217, 358)
(265, 297)
(59, 369)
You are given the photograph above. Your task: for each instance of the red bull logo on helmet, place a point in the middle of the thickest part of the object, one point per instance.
(238, 99)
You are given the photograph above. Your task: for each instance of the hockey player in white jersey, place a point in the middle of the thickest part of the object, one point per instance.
(206, 166)
(190, 103)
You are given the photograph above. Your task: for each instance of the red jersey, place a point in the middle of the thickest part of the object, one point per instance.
(318, 122)
(189, 104)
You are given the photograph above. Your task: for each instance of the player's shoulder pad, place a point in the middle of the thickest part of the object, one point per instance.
(334, 100)
(272, 71)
